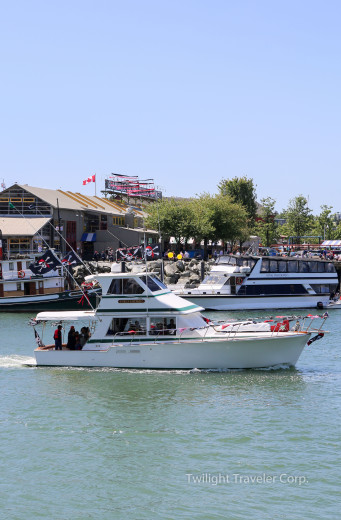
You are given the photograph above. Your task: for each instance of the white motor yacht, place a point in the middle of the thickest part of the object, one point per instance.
(255, 282)
(140, 323)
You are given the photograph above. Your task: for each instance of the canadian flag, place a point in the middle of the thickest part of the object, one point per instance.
(89, 179)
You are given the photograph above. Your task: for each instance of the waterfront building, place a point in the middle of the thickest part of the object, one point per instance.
(32, 218)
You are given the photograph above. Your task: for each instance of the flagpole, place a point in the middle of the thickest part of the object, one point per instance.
(95, 183)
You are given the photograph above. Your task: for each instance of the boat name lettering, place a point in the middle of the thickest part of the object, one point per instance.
(131, 301)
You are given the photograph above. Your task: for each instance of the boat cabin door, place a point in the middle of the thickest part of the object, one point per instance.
(29, 288)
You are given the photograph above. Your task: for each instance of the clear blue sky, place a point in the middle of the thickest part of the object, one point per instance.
(184, 91)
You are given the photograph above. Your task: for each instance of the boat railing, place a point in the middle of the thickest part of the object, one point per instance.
(301, 324)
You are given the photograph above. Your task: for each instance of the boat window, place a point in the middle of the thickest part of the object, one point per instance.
(330, 268)
(303, 267)
(131, 286)
(158, 281)
(265, 267)
(323, 288)
(11, 266)
(252, 262)
(226, 260)
(152, 283)
(125, 286)
(313, 267)
(272, 289)
(292, 266)
(18, 286)
(273, 266)
(282, 266)
(117, 325)
(160, 326)
(115, 286)
(215, 279)
(127, 326)
(320, 267)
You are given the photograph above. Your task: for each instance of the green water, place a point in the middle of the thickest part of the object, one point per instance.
(109, 444)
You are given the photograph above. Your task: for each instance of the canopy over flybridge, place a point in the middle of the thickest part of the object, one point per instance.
(65, 316)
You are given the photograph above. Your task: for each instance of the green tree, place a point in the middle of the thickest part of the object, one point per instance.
(172, 218)
(325, 222)
(230, 220)
(242, 191)
(219, 218)
(267, 228)
(299, 217)
(203, 218)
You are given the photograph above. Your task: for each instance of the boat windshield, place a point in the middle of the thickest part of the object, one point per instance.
(215, 279)
(153, 283)
(241, 261)
(125, 286)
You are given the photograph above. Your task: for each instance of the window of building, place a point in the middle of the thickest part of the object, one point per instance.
(104, 223)
(19, 245)
(92, 223)
(118, 221)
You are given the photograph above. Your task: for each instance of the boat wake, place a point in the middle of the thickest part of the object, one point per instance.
(16, 361)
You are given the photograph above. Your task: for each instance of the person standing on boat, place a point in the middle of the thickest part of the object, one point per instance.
(58, 338)
(71, 339)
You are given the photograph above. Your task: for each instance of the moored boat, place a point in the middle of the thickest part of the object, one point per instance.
(23, 291)
(255, 282)
(140, 323)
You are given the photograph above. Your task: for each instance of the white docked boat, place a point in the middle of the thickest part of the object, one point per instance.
(255, 282)
(140, 323)
(22, 291)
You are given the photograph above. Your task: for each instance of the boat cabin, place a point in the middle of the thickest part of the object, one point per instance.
(16, 279)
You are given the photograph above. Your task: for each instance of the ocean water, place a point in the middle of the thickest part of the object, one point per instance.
(122, 444)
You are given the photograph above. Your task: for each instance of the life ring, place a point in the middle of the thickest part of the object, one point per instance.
(21, 274)
(239, 280)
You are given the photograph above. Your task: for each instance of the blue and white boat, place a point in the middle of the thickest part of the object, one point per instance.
(256, 282)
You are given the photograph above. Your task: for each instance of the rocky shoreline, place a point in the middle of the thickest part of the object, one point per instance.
(185, 273)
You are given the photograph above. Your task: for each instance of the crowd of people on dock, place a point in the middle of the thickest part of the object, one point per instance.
(109, 255)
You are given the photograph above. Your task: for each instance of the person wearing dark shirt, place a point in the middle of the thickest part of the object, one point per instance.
(71, 339)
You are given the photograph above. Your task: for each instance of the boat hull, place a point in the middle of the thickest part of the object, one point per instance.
(235, 303)
(238, 353)
(67, 300)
